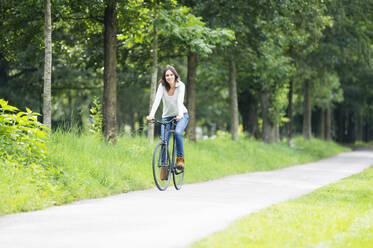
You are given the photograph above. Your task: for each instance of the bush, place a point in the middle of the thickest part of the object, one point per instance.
(22, 137)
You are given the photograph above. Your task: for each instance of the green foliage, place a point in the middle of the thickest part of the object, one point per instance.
(192, 31)
(363, 144)
(96, 117)
(179, 26)
(272, 42)
(328, 90)
(22, 137)
(338, 215)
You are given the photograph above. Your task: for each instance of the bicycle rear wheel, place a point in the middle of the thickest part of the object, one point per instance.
(177, 175)
(159, 163)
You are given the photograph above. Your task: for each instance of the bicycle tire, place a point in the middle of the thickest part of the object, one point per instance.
(177, 175)
(160, 151)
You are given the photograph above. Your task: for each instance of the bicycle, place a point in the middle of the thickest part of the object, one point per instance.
(161, 159)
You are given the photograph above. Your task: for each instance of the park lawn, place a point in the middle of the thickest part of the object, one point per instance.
(83, 166)
(337, 215)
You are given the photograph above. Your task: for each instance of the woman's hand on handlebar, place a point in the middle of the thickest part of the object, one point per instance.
(178, 118)
(149, 118)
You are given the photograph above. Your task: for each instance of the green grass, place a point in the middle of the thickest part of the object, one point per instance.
(83, 166)
(363, 144)
(338, 215)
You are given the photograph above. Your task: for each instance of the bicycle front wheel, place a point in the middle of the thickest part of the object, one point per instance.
(177, 175)
(161, 168)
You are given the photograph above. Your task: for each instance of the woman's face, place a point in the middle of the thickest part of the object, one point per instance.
(170, 77)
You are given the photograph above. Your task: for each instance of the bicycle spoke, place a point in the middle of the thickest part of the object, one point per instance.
(159, 168)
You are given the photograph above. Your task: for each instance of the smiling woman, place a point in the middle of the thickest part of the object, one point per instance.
(171, 91)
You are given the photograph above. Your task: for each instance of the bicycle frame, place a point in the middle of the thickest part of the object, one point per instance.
(164, 138)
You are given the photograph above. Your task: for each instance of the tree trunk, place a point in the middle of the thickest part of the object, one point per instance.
(276, 132)
(70, 113)
(290, 111)
(110, 82)
(47, 93)
(132, 121)
(359, 127)
(322, 124)
(153, 84)
(328, 123)
(233, 99)
(191, 92)
(351, 128)
(140, 119)
(267, 129)
(253, 121)
(307, 133)
(247, 106)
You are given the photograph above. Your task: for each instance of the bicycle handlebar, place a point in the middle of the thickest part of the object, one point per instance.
(162, 122)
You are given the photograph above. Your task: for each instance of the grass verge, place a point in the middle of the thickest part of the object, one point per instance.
(83, 166)
(338, 215)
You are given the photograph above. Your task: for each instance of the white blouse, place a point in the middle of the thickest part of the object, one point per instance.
(172, 105)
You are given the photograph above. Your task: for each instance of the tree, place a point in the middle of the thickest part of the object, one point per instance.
(154, 72)
(110, 80)
(233, 98)
(208, 12)
(195, 39)
(347, 49)
(47, 95)
(304, 40)
(307, 110)
(191, 94)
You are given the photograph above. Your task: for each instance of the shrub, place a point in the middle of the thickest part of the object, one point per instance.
(22, 137)
(96, 117)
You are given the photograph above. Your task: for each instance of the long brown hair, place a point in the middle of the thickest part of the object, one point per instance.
(163, 79)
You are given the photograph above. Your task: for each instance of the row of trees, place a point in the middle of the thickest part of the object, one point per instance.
(276, 67)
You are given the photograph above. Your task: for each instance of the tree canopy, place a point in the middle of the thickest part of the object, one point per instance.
(311, 57)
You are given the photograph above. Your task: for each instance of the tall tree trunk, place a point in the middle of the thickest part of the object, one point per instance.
(328, 123)
(351, 128)
(276, 132)
(322, 124)
(267, 129)
(359, 127)
(290, 111)
(47, 93)
(233, 98)
(191, 92)
(110, 81)
(153, 84)
(247, 106)
(253, 121)
(307, 132)
(132, 121)
(140, 119)
(70, 113)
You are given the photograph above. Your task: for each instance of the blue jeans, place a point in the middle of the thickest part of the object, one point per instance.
(180, 126)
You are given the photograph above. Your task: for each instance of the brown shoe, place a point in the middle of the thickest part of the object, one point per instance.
(164, 173)
(180, 162)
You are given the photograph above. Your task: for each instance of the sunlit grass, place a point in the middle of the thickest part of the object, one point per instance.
(84, 166)
(338, 215)
(363, 144)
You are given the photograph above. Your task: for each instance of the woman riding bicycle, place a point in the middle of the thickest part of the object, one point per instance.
(171, 91)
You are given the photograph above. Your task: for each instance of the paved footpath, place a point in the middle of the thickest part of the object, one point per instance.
(173, 218)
